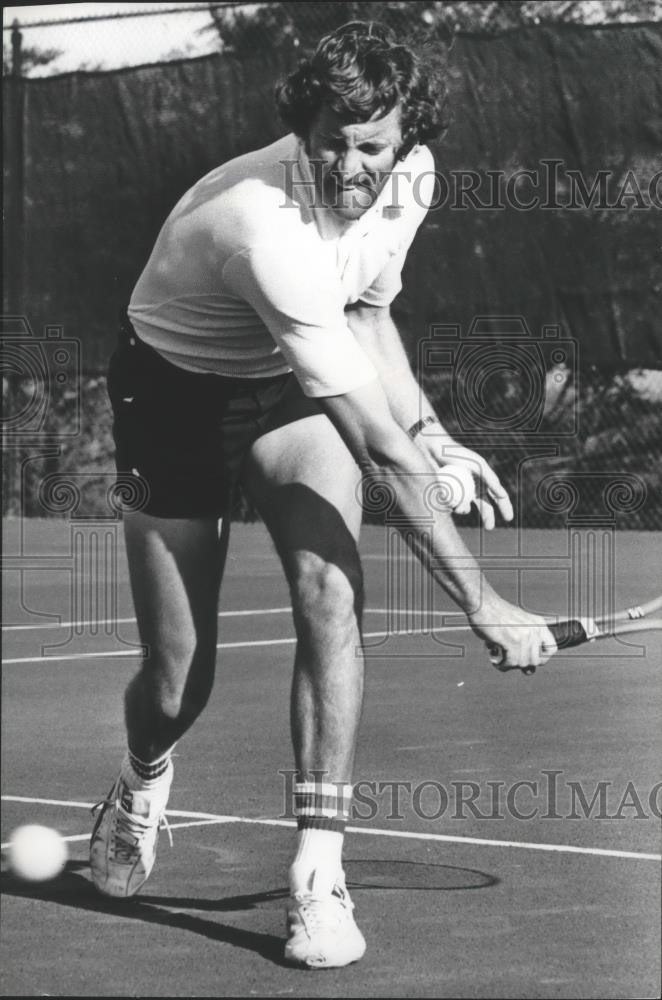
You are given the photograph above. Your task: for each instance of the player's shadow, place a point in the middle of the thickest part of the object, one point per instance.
(73, 889)
(420, 876)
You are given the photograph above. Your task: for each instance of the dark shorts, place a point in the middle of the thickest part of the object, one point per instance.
(181, 438)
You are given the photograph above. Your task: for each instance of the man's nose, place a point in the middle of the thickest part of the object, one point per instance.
(349, 164)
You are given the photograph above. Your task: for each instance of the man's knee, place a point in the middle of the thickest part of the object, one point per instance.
(325, 592)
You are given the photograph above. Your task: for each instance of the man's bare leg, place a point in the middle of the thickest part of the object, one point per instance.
(175, 568)
(305, 483)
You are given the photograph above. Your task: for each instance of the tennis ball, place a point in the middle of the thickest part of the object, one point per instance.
(36, 853)
(459, 482)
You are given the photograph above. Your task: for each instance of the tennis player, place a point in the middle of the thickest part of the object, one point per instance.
(259, 347)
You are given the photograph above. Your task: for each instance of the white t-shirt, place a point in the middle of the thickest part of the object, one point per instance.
(250, 277)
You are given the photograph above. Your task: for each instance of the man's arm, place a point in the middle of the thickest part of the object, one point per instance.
(378, 335)
(390, 461)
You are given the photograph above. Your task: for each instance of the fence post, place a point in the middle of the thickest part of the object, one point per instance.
(14, 180)
(16, 49)
(13, 261)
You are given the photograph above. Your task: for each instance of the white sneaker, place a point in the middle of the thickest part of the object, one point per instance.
(321, 928)
(123, 843)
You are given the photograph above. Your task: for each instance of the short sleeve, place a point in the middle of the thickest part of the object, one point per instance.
(292, 288)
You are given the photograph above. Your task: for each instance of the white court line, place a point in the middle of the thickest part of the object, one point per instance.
(80, 837)
(208, 819)
(221, 614)
(248, 644)
(125, 621)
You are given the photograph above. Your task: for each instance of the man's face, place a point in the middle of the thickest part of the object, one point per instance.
(356, 159)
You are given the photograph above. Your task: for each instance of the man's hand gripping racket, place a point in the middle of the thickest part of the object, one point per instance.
(577, 631)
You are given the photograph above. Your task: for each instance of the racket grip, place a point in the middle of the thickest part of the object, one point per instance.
(572, 632)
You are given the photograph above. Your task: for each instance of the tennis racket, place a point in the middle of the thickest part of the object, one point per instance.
(577, 631)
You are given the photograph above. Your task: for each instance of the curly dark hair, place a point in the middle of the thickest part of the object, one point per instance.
(360, 71)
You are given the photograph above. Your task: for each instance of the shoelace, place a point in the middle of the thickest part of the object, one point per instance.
(316, 912)
(129, 831)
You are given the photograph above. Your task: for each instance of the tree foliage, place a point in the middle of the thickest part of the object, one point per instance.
(298, 25)
(31, 58)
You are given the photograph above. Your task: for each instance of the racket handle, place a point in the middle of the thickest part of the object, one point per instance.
(572, 632)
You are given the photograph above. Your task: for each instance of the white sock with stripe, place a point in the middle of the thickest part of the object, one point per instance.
(322, 810)
(141, 775)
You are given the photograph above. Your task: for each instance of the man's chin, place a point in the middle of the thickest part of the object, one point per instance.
(349, 212)
(350, 203)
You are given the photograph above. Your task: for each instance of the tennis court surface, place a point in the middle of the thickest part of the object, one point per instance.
(539, 878)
